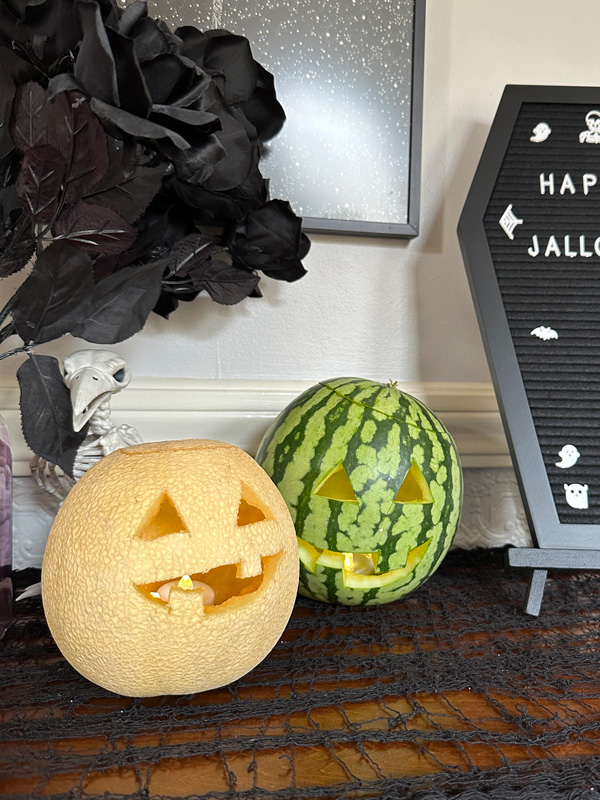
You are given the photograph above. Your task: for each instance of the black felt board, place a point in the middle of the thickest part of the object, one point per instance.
(530, 235)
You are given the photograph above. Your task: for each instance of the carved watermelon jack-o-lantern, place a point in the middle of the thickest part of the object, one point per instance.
(373, 482)
(171, 568)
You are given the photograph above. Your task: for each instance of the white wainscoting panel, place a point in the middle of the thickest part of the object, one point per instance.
(240, 412)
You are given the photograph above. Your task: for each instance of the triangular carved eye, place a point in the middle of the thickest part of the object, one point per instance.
(414, 487)
(162, 518)
(251, 508)
(337, 486)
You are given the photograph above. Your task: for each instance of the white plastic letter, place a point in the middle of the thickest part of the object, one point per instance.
(589, 180)
(582, 251)
(567, 184)
(568, 252)
(546, 184)
(553, 248)
(534, 250)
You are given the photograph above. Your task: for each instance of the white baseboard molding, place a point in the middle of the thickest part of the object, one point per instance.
(240, 411)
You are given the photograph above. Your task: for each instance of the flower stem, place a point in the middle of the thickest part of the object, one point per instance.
(26, 348)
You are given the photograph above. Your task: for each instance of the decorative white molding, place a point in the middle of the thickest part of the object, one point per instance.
(240, 411)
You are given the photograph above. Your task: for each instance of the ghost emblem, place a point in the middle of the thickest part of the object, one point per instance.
(541, 132)
(569, 455)
(576, 495)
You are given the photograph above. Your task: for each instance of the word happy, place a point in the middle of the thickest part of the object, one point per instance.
(569, 246)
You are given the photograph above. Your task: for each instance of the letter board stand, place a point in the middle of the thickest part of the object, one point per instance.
(530, 238)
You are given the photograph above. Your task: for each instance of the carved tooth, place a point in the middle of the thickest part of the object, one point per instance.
(249, 567)
(185, 603)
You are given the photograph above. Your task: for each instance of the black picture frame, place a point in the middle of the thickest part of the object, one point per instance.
(262, 23)
(558, 544)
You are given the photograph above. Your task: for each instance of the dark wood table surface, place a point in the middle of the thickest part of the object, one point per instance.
(453, 692)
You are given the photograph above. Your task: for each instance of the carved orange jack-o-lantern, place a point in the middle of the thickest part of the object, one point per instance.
(171, 568)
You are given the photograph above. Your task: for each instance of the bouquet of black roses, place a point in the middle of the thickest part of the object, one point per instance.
(129, 180)
(129, 170)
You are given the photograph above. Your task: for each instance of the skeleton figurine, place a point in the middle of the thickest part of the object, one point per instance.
(92, 377)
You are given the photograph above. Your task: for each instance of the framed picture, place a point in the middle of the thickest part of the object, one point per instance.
(530, 237)
(349, 75)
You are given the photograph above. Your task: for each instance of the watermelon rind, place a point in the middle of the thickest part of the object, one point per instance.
(378, 433)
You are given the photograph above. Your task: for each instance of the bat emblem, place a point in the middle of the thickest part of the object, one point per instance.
(545, 333)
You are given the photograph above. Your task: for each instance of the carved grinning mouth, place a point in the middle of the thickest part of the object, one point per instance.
(216, 590)
(359, 570)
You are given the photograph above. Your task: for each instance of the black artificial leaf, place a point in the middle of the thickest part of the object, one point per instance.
(267, 236)
(289, 271)
(9, 169)
(190, 253)
(224, 282)
(54, 31)
(95, 66)
(121, 304)
(40, 181)
(150, 239)
(9, 202)
(95, 228)
(63, 82)
(47, 412)
(270, 239)
(11, 64)
(12, 29)
(132, 193)
(56, 296)
(167, 304)
(7, 93)
(29, 119)
(230, 54)
(75, 131)
(196, 164)
(190, 267)
(16, 256)
(17, 244)
(135, 126)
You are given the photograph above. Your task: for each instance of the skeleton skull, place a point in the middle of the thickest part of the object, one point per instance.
(92, 376)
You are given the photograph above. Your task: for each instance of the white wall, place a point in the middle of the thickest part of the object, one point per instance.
(379, 308)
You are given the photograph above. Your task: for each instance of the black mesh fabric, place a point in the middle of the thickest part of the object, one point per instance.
(452, 693)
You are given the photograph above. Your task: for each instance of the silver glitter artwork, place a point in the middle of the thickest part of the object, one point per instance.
(343, 75)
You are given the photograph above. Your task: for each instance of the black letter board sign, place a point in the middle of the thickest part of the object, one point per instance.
(530, 237)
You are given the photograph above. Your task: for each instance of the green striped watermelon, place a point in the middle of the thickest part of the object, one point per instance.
(374, 485)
